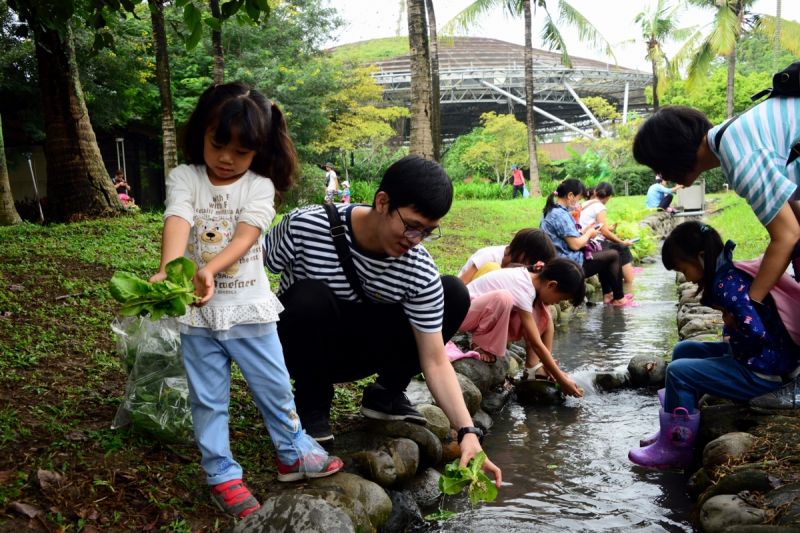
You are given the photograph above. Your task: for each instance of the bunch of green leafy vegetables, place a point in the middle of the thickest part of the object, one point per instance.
(169, 297)
(156, 399)
(479, 487)
(161, 409)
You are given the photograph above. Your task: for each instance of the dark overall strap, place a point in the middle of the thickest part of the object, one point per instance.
(337, 231)
(794, 153)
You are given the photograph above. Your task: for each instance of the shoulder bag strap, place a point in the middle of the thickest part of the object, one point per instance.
(337, 231)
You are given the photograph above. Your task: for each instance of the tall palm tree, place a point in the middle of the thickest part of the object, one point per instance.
(436, 113)
(420, 136)
(77, 181)
(659, 25)
(8, 213)
(216, 44)
(169, 138)
(551, 37)
(732, 19)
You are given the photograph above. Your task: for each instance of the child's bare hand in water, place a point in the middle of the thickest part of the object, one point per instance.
(570, 388)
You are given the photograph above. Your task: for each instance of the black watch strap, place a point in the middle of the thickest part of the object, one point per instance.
(470, 429)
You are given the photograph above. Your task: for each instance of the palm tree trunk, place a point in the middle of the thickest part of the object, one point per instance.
(731, 59)
(420, 137)
(216, 45)
(529, 114)
(436, 110)
(655, 85)
(777, 39)
(78, 184)
(8, 213)
(170, 148)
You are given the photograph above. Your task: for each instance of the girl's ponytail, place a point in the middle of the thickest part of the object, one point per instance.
(696, 243)
(282, 154)
(569, 185)
(568, 275)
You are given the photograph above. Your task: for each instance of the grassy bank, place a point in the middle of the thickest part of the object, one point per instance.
(61, 380)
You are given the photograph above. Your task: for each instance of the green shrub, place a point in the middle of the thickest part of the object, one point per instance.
(638, 177)
(715, 180)
(480, 191)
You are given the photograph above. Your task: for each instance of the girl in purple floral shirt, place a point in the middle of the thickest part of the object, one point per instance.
(757, 356)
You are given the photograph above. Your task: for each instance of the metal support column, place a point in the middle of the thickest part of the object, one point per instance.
(536, 109)
(577, 98)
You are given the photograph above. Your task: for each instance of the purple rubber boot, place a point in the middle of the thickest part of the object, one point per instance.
(647, 441)
(674, 448)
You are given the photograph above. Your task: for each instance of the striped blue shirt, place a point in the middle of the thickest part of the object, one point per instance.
(301, 247)
(753, 153)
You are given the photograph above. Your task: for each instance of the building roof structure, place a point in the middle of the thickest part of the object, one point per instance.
(479, 75)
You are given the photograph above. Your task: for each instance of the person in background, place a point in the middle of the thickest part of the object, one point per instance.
(572, 242)
(659, 196)
(593, 211)
(122, 187)
(239, 154)
(518, 181)
(331, 183)
(345, 194)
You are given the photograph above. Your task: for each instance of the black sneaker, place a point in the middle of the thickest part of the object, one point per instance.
(317, 425)
(381, 404)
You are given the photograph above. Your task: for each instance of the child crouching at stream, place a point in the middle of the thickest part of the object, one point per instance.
(759, 355)
(511, 304)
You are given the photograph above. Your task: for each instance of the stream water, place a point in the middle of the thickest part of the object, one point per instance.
(566, 468)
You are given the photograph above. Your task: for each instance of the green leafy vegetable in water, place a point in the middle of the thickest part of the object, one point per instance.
(168, 297)
(455, 478)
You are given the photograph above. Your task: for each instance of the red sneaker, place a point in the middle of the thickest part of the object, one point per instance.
(234, 498)
(309, 467)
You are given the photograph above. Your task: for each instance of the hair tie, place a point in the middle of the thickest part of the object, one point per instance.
(704, 228)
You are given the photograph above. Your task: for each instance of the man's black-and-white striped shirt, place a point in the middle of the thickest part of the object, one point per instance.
(301, 247)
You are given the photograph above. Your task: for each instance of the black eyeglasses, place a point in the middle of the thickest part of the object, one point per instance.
(415, 234)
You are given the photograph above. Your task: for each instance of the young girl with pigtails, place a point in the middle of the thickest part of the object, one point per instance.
(239, 155)
(759, 355)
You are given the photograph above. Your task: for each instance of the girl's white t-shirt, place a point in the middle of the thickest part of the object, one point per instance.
(241, 294)
(589, 213)
(516, 280)
(484, 255)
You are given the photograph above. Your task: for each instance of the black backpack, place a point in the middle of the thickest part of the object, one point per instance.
(784, 83)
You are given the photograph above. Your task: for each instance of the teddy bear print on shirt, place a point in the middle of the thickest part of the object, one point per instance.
(212, 237)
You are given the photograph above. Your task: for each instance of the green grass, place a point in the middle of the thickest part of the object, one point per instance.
(367, 52)
(735, 221)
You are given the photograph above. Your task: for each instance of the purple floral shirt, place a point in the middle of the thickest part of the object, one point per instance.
(759, 339)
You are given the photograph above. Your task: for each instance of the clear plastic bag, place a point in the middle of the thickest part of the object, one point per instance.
(156, 398)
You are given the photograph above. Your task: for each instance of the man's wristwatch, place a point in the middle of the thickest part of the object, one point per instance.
(470, 429)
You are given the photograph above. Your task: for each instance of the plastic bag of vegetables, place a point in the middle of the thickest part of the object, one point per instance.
(156, 400)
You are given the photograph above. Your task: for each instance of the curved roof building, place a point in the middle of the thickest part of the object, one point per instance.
(479, 75)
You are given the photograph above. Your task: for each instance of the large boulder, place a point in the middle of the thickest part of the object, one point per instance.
(647, 371)
(372, 497)
(329, 512)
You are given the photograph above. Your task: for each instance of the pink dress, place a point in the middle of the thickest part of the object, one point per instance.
(493, 317)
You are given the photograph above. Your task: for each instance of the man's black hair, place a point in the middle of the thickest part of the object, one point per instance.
(418, 182)
(668, 141)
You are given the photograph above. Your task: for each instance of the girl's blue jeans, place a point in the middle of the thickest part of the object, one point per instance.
(208, 368)
(699, 368)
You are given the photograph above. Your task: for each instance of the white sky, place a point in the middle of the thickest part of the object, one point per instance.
(369, 19)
